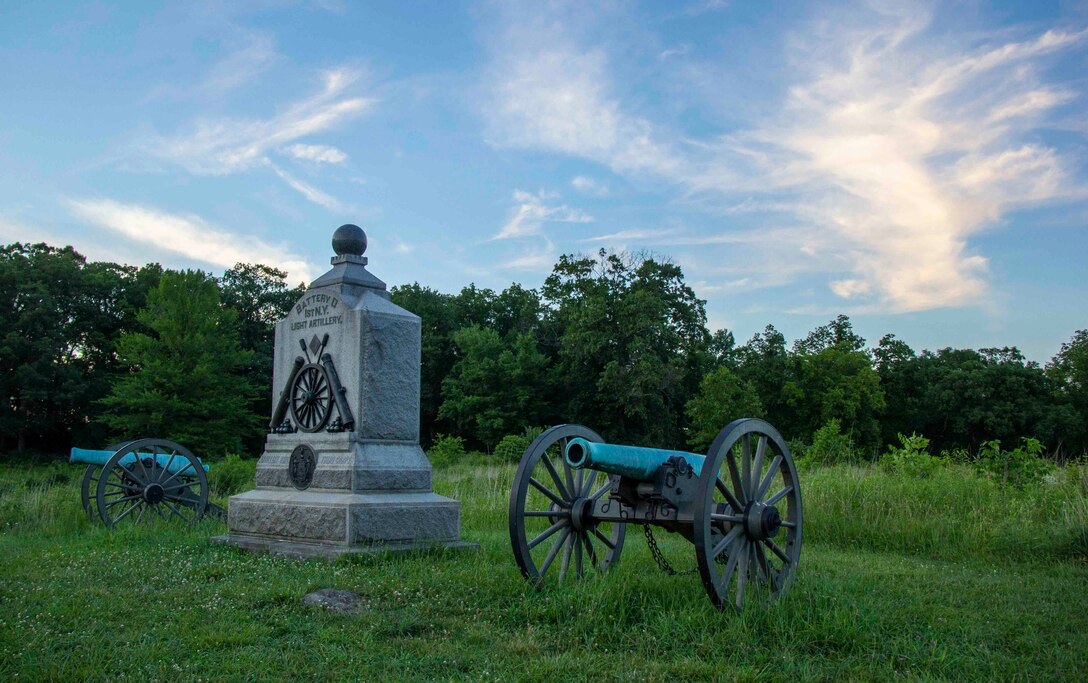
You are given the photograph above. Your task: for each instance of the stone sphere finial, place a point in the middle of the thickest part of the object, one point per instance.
(349, 240)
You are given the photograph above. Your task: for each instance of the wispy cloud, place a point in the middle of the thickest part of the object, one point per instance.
(892, 148)
(590, 186)
(531, 211)
(254, 57)
(899, 148)
(549, 93)
(216, 147)
(532, 258)
(624, 235)
(678, 51)
(189, 236)
(17, 230)
(319, 153)
(310, 192)
(250, 54)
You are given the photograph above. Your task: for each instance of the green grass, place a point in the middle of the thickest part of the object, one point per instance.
(948, 578)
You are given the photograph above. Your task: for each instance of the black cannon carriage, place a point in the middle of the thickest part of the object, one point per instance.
(739, 505)
(144, 479)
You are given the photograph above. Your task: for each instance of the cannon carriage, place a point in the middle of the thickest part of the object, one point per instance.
(739, 505)
(144, 479)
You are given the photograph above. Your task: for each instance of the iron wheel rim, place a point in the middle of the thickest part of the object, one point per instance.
(551, 540)
(737, 561)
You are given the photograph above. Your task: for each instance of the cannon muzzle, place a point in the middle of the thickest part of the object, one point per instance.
(635, 462)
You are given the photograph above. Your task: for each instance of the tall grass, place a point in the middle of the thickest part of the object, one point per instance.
(1075, 505)
(952, 514)
(41, 498)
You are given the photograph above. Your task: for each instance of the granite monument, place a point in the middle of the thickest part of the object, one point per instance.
(342, 470)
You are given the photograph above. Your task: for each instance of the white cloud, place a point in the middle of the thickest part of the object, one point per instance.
(892, 148)
(244, 64)
(251, 53)
(16, 230)
(549, 93)
(217, 147)
(624, 235)
(310, 192)
(531, 212)
(678, 51)
(906, 148)
(319, 153)
(189, 236)
(541, 258)
(589, 186)
(851, 289)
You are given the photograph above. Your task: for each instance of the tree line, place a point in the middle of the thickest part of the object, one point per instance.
(95, 351)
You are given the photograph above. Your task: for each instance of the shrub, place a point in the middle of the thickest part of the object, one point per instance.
(230, 475)
(798, 449)
(911, 457)
(1019, 467)
(512, 447)
(830, 446)
(531, 433)
(960, 456)
(446, 449)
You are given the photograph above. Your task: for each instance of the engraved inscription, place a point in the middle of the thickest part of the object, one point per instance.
(317, 310)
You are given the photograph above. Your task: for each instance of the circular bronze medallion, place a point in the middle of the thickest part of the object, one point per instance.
(301, 466)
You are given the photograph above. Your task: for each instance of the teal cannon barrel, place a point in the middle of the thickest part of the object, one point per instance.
(89, 457)
(635, 462)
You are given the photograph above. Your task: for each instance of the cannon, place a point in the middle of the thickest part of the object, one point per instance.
(144, 478)
(739, 505)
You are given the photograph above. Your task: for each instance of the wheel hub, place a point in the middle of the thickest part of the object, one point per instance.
(154, 493)
(581, 517)
(761, 521)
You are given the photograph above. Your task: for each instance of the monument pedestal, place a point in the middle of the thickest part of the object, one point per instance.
(342, 471)
(326, 524)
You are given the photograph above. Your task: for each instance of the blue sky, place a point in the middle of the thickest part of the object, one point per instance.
(920, 167)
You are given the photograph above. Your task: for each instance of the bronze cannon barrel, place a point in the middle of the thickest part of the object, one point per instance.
(635, 462)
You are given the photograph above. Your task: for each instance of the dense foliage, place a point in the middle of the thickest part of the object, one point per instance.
(61, 320)
(616, 342)
(187, 380)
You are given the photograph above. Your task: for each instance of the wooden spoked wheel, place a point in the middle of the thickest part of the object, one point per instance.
(311, 398)
(88, 488)
(551, 529)
(747, 527)
(151, 478)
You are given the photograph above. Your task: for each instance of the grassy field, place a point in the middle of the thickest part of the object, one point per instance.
(948, 578)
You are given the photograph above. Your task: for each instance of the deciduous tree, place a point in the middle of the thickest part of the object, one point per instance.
(723, 397)
(495, 387)
(260, 296)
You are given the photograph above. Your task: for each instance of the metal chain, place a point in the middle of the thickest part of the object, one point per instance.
(660, 559)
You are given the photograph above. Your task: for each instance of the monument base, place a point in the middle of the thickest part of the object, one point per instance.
(332, 552)
(340, 518)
